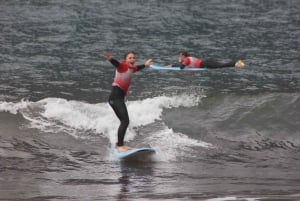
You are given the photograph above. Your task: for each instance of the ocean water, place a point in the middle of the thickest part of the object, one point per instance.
(220, 135)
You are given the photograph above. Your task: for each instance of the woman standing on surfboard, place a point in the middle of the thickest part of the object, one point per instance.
(185, 60)
(123, 76)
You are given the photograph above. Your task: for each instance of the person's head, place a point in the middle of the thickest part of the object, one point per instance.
(129, 58)
(182, 55)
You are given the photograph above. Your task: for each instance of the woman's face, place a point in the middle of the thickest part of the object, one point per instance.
(181, 57)
(130, 59)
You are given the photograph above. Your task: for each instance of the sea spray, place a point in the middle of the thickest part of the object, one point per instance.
(79, 119)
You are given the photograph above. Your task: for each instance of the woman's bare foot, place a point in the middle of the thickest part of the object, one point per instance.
(123, 148)
(239, 64)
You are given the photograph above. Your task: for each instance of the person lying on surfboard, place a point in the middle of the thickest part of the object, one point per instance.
(185, 60)
(124, 73)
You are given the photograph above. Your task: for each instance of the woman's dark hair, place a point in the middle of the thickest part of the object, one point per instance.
(128, 52)
(184, 53)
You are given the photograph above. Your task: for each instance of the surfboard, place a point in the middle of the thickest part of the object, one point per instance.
(135, 153)
(157, 67)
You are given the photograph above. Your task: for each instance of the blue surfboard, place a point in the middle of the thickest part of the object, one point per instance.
(135, 153)
(168, 68)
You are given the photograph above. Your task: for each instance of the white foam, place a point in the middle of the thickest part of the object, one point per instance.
(81, 118)
(13, 108)
(98, 118)
(101, 118)
(171, 145)
(231, 198)
(143, 112)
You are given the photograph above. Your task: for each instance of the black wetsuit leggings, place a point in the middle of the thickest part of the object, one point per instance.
(117, 102)
(211, 63)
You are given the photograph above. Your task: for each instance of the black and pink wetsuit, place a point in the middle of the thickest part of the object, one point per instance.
(123, 76)
(208, 63)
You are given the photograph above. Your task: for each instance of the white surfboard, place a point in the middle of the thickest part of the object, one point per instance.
(168, 68)
(135, 153)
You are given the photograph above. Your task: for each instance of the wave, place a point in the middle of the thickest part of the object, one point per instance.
(175, 124)
(83, 120)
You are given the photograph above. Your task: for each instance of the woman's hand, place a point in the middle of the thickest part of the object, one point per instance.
(107, 55)
(148, 62)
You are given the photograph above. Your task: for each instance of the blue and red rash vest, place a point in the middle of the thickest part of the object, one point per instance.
(123, 76)
(192, 61)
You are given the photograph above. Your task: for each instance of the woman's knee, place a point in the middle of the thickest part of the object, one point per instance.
(125, 122)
